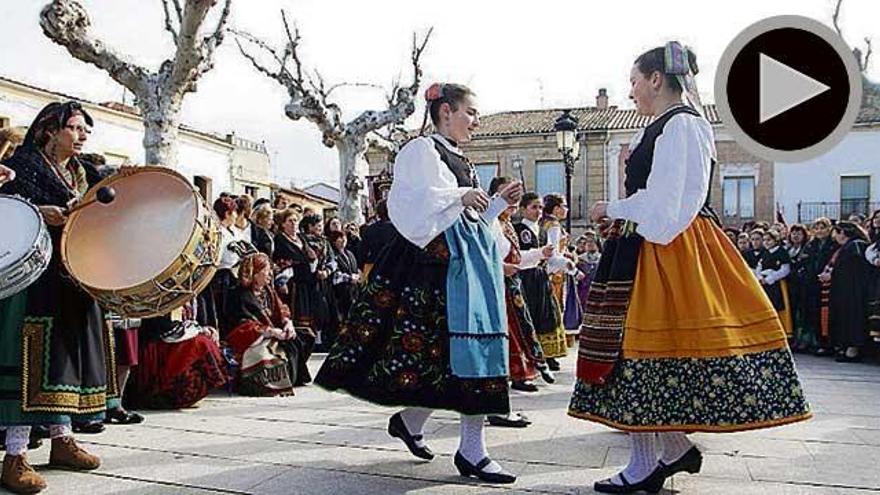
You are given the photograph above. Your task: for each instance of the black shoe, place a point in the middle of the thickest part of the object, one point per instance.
(691, 462)
(397, 429)
(524, 386)
(508, 422)
(553, 364)
(652, 484)
(466, 469)
(90, 427)
(121, 416)
(547, 375)
(822, 352)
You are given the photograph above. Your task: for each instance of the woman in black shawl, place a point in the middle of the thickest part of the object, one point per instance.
(54, 324)
(295, 263)
(850, 284)
(346, 276)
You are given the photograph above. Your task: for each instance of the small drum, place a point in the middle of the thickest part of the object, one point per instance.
(25, 248)
(155, 247)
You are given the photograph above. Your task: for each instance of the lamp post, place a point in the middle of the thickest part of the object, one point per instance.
(567, 144)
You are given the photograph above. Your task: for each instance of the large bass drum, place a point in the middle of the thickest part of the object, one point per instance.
(152, 249)
(25, 245)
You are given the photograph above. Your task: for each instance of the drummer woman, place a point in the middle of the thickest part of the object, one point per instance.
(56, 325)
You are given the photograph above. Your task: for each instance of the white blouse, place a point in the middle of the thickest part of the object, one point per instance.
(425, 198)
(872, 255)
(228, 257)
(530, 258)
(678, 183)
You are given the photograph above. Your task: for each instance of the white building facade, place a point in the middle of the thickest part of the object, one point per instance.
(207, 160)
(844, 180)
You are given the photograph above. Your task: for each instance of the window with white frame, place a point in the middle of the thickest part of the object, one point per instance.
(855, 194)
(549, 177)
(738, 197)
(486, 172)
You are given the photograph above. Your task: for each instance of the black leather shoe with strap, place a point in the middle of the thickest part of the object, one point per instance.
(652, 484)
(397, 429)
(466, 469)
(691, 462)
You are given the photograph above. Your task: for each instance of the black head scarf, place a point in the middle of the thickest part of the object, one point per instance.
(51, 118)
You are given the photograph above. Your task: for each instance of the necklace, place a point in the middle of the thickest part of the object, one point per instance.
(70, 185)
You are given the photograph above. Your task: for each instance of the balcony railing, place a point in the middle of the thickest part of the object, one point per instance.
(807, 212)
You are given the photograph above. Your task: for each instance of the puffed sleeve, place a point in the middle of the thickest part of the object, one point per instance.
(425, 198)
(531, 258)
(677, 185)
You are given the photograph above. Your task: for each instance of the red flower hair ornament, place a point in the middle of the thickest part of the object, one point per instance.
(434, 92)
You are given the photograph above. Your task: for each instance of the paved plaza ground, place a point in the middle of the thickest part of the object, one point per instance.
(330, 444)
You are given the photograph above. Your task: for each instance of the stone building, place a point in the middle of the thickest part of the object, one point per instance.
(522, 144)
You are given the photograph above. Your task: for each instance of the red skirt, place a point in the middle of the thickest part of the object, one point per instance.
(126, 346)
(176, 376)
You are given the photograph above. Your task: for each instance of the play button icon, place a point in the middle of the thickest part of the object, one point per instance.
(782, 88)
(788, 88)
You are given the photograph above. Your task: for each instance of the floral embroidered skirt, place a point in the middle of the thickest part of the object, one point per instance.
(394, 348)
(703, 347)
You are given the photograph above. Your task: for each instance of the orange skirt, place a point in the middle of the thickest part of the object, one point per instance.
(703, 348)
(696, 297)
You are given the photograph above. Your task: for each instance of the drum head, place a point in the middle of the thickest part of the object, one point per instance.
(20, 223)
(136, 237)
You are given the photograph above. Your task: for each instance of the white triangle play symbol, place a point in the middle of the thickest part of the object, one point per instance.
(783, 88)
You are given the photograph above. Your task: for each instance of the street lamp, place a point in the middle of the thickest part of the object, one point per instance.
(567, 144)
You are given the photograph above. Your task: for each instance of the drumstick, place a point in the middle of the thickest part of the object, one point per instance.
(104, 195)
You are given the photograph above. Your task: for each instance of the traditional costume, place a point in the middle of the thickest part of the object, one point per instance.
(526, 356)
(344, 286)
(543, 307)
(678, 335)
(804, 336)
(402, 344)
(179, 362)
(587, 264)
(273, 356)
(851, 278)
(753, 257)
(773, 268)
(561, 272)
(295, 275)
(56, 350)
(428, 330)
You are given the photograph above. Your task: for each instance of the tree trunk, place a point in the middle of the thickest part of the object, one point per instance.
(351, 154)
(161, 130)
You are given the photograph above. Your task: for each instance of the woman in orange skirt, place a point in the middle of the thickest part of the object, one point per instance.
(678, 334)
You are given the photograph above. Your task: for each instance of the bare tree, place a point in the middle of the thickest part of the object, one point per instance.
(310, 99)
(159, 94)
(862, 58)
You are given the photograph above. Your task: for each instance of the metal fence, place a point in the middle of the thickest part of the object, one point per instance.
(809, 211)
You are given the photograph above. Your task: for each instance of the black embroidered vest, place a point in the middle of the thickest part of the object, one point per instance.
(460, 167)
(638, 165)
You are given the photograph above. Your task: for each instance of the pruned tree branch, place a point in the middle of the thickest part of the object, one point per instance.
(169, 26)
(67, 23)
(836, 16)
(857, 52)
(310, 99)
(159, 93)
(402, 99)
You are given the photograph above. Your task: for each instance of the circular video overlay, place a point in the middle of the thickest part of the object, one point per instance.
(788, 88)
